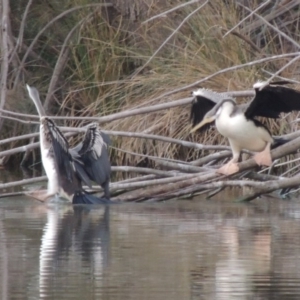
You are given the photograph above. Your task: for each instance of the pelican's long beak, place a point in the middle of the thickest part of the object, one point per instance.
(203, 122)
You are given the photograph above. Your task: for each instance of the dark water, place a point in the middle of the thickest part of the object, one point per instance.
(174, 250)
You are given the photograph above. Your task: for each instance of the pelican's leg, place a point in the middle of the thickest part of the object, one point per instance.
(264, 157)
(105, 187)
(231, 167)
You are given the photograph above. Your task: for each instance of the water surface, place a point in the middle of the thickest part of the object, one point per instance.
(175, 250)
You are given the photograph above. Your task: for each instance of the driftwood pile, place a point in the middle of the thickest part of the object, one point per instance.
(172, 178)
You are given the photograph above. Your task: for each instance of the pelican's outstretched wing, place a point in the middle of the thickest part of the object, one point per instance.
(272, 99)
(60, 147)
(204, 101)
(79, 166)
(94, 155)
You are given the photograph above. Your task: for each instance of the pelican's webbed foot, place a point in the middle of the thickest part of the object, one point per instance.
(264, 157)
(229, 168)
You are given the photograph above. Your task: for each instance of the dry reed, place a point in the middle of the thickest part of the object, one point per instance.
(95, 60)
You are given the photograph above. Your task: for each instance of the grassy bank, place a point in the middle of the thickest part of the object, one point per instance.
(95, 61)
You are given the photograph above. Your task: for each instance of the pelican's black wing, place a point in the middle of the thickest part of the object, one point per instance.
(79, 165)
(105, 138)
(70, 177)
(204, 101)
(273, 99)
(95, 158)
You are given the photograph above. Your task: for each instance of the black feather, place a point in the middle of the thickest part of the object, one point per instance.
(259, 124)
(105, 138)
(81, 172)
(94, 155)
(278, 141)
(272, 100)
(200, 106)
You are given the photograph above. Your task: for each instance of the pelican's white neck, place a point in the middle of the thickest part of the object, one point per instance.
(225, 109)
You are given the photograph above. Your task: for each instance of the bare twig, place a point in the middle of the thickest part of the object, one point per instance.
(115, 185)
(229, 69)
(159, 173)
(282, 69)
(19, 40)
(18, 138)
(151, 157)
(13, 194)
(182, 167)
(47, 26)
(243, 20)
(163, 14)
(264, 188)
(131, 112)
(22, 182)
(168, 38)
(60, 63)
(245, 39)
(259, 187)
(27, 147)
(138, 178)
(263, 19)
(281, 77)
(166, 139)
(4, 54)
(16, 114)
(112, 117)
(215, 156)
(73, 131)
(20, 120)
(289, 5)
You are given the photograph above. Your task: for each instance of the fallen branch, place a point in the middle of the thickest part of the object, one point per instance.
(22, 182)
(72, 131)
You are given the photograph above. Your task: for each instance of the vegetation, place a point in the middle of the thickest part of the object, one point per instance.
(97, 58)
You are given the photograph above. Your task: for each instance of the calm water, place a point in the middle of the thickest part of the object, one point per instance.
(175, 250)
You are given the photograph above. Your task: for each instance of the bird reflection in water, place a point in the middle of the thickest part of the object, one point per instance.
(76, 239)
